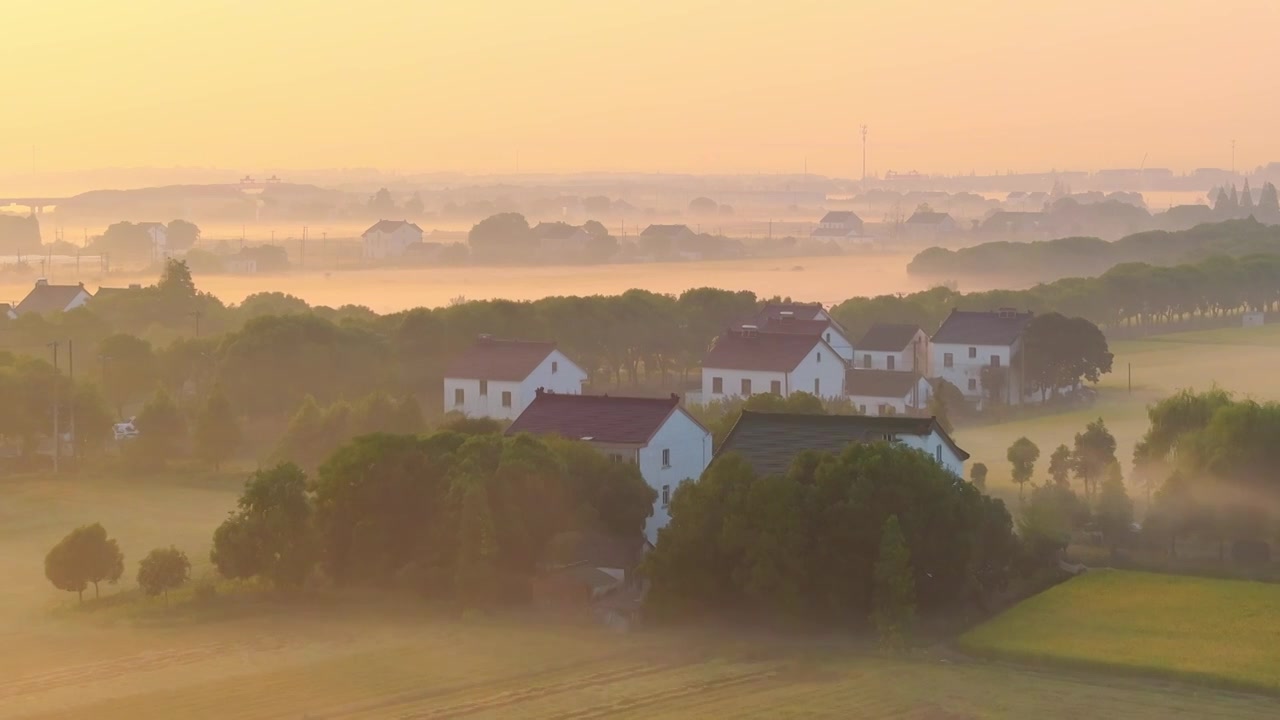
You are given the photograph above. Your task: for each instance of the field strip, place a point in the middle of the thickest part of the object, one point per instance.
(675, 694)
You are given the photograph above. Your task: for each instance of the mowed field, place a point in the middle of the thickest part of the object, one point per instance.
(1221, 631)
(373, 657)
(1236, 359)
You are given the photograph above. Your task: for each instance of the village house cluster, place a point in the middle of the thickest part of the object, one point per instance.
(888, 375)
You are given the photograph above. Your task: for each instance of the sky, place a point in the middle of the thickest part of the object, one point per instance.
(699, 86)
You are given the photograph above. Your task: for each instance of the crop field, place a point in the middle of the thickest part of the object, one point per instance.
(1221, 631)
(1236, 359)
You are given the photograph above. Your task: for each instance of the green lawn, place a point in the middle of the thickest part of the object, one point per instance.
(1220, 631)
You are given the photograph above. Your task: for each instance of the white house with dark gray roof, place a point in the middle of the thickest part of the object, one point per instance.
(45, 298)
(387, 239)
(842, 227)
(499, 378)
(893, 346)
(968, 343)
(560, 239)
(769, 442)
(887, 392)
(747, 361)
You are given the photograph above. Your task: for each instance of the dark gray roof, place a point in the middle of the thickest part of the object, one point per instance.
(880, 383)
(554, 230)
(665, 230)
(989, 327)
(770, 441)
(927, 218)
(602, 418)
(46, 298)
(841, 216)
(491, 358)
(773, 352)
(390, 226)
(887, 337)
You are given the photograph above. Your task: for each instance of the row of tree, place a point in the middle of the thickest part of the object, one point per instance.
(87, 556)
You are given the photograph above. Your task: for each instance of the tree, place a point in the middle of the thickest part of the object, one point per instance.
(413, 207)
(1060, 463)
(176, 285)
(1174, 510)
(502, 235)
(217, 430)
(381, 202)
(1095, 451)
(270, 534)
(1023, 455)
(477, 549)
(1115, 509)
(595, 228)
(128, 369)
(893, 598)
(181, 235)
(124, 241)
(1061, 352)
(162, 570)
(1269, 201)
(703, 206)
(85, 556)
(978, 475)
(1246, 197)
(940, 411)
(161, 429)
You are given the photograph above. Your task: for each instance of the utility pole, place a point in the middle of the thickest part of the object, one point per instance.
(197, 315)
(864, 153)
(71, 406)
(1233, 158)
(57, 438)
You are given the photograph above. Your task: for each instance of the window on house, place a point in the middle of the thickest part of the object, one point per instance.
(746, 386)
(717, 386)
(828, 337)
(615, 457)
(866, 361)
(817, 387)
(775, 387)
(937, 454)
(459, 396)
(862, 409)
(666, 457)
(506, 398)
(555, 367)
(948, 360)
(819, 357)
(995, 361)
(666, 495)
(484, 388)
(889, 410)
(973, 352)
(888, 437)
(888, 362)
(973, 384)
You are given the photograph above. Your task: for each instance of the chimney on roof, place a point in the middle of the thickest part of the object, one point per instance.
(41, 281)
(675, 396)
(539, 392)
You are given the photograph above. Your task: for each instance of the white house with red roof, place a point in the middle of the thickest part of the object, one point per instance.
(661, 437)
(499, 378)
(747, 361)
(388, 239)
(804, 319)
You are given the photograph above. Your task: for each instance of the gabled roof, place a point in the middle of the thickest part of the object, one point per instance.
(665, 230)
(793, 326)
(927, 218)
(880, 383)
(991, 327)
(45, 298)
(597, 418)
(841, 216)
(770, 441)
(1013, 220)
(800, 311)
(5, 308)
(493, 359)
(771, 352)
(554, 230)
(390, 226)
(150, 225)
(887, 337)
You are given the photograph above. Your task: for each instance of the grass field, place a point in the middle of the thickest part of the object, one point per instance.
(1236, 359)
(1221, 631)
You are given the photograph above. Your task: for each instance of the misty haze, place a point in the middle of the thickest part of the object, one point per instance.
(675, 359)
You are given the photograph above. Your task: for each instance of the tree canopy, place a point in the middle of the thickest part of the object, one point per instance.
(84, 557)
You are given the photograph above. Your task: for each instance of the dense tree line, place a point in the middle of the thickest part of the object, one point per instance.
(804, 546)
(1091, 256)
(462, 518)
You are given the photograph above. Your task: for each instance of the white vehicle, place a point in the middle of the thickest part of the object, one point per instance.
(125, 430)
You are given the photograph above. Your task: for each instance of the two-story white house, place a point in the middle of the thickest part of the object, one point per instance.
(45, 298)
(893, 346)
(747, 361)
(887, 392)
(771, 441)
(159, 235)
(971, 349)
(499, 378)
(661, 437)
(842, 227)
(560, 239)
(804, 319)
(928, 226)
(387, 239)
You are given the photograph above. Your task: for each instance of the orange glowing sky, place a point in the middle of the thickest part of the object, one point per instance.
(651, 85)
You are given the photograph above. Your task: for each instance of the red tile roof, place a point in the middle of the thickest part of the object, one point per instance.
(762, 351)
(887, 337)
(599, 418)
(494, 359)
(812, 328)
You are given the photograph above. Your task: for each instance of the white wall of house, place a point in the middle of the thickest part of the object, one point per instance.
(822, 365)
(903, 360)
(964, 367)
(909, 404)
(159, 235)
(505, 400)
(838, 342)
(935, 447)
(379, 245)
(686, 448)
(79, 300)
